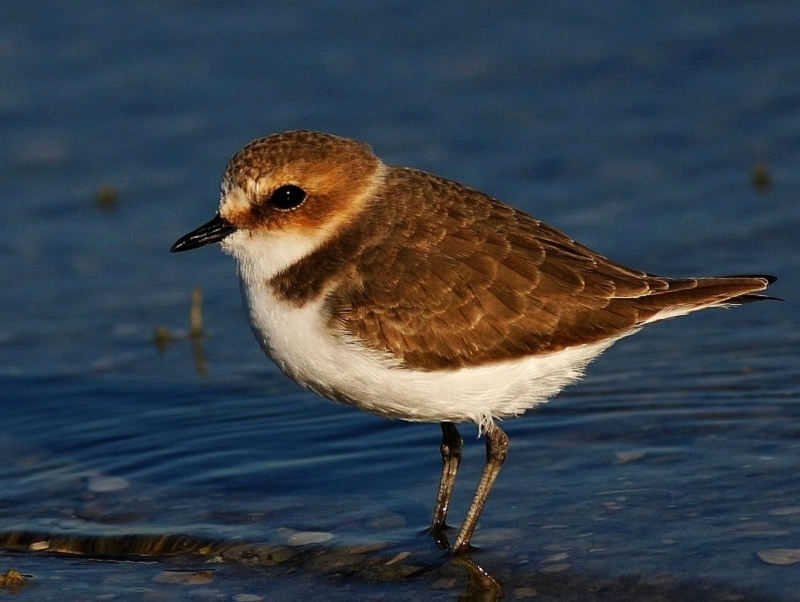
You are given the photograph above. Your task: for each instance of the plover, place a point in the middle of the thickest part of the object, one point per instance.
(415, 297)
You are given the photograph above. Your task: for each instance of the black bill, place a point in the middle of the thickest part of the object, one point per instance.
(211, 232)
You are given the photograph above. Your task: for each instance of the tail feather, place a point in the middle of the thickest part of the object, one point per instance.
(750, 297)
(686, 295)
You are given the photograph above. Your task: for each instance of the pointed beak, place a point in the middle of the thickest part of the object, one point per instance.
(214, 231)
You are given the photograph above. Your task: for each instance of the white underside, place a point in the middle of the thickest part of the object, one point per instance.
(343, 370)
(340, 368)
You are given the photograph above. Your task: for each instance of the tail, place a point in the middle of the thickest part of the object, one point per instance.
(763, 280)
(675, 297)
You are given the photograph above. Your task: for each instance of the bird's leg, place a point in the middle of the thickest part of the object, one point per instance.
(451, 458)
(496, 451)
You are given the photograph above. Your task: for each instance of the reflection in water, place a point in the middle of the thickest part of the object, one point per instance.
(481, 586)
(13, 581)
(164, 336)
(375, 563)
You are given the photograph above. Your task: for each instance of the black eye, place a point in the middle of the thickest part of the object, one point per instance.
(287, 197)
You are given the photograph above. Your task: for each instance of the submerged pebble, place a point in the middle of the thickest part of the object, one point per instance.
(185, 577)
(304, 538)
(104, 484)
(780, 556)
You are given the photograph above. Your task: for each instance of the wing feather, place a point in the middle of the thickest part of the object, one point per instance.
(442, 276)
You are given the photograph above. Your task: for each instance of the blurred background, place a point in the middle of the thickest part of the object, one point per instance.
(663, 135)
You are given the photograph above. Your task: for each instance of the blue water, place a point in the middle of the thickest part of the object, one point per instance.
(634, 127)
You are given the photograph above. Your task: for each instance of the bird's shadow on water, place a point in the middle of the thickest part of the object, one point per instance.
(471, 577)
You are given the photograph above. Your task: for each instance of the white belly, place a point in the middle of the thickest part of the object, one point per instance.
(340, 368)
(300, 343)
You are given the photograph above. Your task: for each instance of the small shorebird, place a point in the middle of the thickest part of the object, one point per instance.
(414, 297)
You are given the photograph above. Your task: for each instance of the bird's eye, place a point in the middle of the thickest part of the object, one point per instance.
(288, 197)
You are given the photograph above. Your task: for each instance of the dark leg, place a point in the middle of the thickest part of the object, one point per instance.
(451, 458)
(496, 451)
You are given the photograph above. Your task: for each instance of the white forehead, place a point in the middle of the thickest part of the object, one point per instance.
(235, 199)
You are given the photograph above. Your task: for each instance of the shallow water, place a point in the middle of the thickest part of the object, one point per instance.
(194, 468)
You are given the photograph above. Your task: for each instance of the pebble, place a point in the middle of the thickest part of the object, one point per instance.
(445, 583)
(399, 558)
(556, 568)
(185, 577)
(104, 484)
(556, 557)
(525, 592)
(788, 511)
(629, 456)
(780, 556)
(304, 538)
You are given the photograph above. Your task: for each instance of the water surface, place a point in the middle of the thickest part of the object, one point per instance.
(634, 127)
